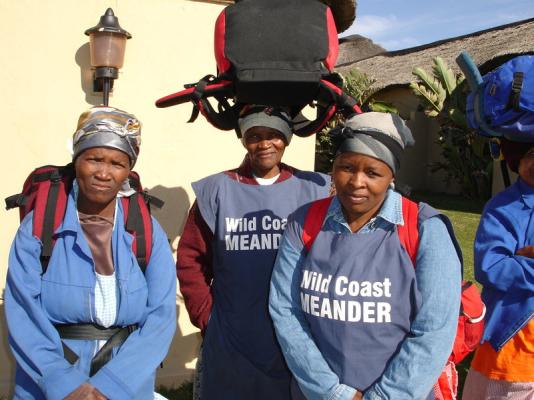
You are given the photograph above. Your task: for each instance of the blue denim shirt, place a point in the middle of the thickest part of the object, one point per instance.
(412, 372)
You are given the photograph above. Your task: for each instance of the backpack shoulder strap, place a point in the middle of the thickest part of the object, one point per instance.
(50, 206)
(331, 99)
(409, 232)
(314, 221)
(138, 222)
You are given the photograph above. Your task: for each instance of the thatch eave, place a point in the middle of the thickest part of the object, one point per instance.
(356, 47)
(486, 48)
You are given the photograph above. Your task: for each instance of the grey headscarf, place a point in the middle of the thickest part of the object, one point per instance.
(379, 135)
(269, 117)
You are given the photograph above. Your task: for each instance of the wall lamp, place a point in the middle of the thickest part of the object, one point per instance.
(107, 43)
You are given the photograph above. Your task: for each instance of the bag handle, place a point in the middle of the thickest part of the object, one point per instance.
(336, 101)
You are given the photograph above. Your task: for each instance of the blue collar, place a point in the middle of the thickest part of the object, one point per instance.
(391, 210)
(70, 221)
(527, 193)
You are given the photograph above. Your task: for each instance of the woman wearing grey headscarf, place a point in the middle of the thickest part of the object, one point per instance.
(225, 259)
(354, 318)
(92, 325)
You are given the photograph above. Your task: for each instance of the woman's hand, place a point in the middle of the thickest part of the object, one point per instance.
(358, 395)
(527, 251)
(98, 395)
(85, 392)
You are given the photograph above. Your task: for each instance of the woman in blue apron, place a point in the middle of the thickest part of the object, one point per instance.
(226, 255)
(354, 318)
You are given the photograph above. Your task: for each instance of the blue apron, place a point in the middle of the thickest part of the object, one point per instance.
(359, 295)
(241, 357)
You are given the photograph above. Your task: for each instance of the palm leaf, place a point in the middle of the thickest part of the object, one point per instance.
(358, 85)
(445, 74)
(431, 82)
(432, 100)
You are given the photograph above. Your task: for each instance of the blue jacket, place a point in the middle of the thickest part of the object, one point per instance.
(506, 225)
(65, 295)
(409, 374)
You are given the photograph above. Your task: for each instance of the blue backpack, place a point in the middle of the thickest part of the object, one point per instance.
(501, 103)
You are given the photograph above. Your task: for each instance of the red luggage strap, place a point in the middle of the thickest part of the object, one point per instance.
(330, 99)
(314, 221)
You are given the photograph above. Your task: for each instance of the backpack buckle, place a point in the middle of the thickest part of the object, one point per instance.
(517, 84)
(55, 176)
(515, 96)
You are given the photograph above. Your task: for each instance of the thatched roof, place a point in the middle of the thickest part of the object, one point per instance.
(344, 11)
(488, 48)
(357, 47)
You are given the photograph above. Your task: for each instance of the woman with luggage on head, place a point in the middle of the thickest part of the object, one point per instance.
(354, 318)
(226, 254)
(89, 324)
(503, 366)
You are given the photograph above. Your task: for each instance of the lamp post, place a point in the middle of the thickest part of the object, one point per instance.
(107, 43)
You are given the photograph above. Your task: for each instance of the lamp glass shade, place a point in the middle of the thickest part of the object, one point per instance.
(107, 49)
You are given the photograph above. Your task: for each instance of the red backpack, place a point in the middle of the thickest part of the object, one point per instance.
(472, 309)
(46, 190)
(276, 53)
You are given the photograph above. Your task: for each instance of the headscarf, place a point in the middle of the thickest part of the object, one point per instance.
(380, 135)
(266, 116)
(108, 127)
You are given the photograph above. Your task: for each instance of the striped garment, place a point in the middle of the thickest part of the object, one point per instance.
(478, 387)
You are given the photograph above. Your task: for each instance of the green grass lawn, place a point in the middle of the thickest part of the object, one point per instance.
(464, 215)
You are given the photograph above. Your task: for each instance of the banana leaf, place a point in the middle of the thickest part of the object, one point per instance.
(445, 74)
(431, 83)
(430, 97)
